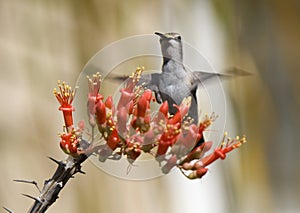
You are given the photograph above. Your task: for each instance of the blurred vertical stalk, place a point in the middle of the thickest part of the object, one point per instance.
(267, 33)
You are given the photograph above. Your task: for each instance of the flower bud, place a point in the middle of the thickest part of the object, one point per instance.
(100, 113)
(109, 102)
(164, 109)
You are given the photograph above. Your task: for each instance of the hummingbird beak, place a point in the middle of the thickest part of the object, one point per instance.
(159, 34)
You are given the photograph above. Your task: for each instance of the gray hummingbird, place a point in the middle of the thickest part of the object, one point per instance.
(175, 82)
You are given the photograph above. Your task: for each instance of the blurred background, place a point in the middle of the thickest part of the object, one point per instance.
(43, 41)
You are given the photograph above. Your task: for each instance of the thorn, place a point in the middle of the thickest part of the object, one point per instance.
(78, 169)
(31, 197)
(8, 210)
(82, 172)
(54, 160)
(29, 181)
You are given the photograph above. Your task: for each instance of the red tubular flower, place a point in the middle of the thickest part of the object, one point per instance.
(163, 146)
(142, 106)
(164, 109)
(68, 116)
(144, 124)
(204, 124)
(130, 107)
(92, 100)
(122, 121)
(69, 143)
(181, 112)
(147, 95)
(133, 79)
(171, 132)
(198, 152)
(133, 154)
(220, 152)
(144, 103)
(93, 96)
(94, 84)
(113, 139)
(176, 119)
(133, 123)
(110, 133)
(109, 102)
(141, 119)
(128, 93)
(191, 137)
(185, 106)
(198, 173)
(198, 168)
(140, 124)
(65, 97)
(133, 151)
(100, 113)
(125, 98)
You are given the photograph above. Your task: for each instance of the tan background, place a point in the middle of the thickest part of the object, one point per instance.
(42, 41)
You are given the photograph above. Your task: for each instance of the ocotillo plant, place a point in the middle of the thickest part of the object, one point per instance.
(129, 128)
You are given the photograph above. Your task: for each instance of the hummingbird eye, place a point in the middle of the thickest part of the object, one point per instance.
(179, 38)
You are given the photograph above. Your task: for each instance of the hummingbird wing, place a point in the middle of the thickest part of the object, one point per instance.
(118, 78)
(151, 81)
(235, 72)
(199, 77)
(148, 81)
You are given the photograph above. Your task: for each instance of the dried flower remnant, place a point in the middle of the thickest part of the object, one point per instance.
(130, 127)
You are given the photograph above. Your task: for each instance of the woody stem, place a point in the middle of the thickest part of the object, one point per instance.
(52, 187)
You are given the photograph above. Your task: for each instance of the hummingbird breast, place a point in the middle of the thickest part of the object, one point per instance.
(173, 89)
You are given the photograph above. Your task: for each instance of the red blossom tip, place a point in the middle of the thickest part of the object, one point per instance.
(94, 84)
(100, 113)
(164, 109)
(113, 139)
(109, 102)
(142, 106)
(65, 97)
(69, 143)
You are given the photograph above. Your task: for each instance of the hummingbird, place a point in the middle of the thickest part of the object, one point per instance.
(175, 82)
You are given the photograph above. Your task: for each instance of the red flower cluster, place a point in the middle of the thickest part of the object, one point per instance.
(70, 137)
(196, 163)
(129, 128)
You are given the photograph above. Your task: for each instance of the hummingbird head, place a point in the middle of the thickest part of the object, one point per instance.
(171, 46)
